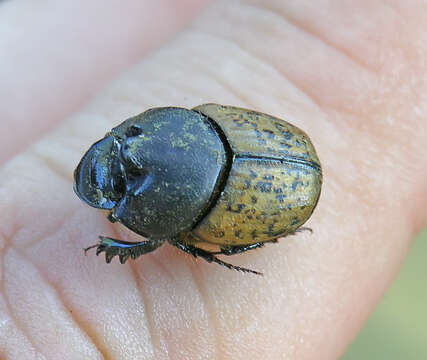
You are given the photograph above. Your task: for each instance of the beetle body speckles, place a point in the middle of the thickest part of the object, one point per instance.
(274, 188)
(261, 212)
(215, 174)
(252, 134)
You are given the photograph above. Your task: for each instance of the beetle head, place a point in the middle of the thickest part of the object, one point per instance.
(99, 179)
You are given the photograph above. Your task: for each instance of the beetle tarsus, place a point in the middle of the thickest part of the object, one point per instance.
(210, 257)
(90, 247)
(235, 267)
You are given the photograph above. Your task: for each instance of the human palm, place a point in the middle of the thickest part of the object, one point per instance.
(351, 74)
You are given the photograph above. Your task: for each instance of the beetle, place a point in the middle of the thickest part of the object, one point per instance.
(218, 175)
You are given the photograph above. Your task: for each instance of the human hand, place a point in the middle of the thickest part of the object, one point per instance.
(351, 74)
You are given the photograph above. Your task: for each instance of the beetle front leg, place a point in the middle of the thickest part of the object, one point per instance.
(123, 249)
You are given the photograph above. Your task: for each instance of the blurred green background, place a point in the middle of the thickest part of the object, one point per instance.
(398, 327)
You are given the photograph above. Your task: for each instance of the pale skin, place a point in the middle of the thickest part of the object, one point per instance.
(349, 73)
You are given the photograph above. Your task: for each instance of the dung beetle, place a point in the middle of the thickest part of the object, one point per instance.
(220, 175)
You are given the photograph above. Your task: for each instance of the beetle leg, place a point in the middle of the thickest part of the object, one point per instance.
(123, 249)
(231, 250)
(303, 228)
(210, 257)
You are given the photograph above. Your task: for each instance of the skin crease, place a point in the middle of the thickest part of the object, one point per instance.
(349, 73)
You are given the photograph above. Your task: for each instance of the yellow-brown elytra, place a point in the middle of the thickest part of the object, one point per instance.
(220, 175)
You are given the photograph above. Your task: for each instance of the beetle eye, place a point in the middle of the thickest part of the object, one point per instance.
(133, 130)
